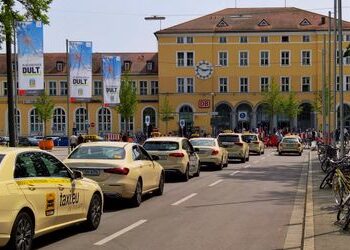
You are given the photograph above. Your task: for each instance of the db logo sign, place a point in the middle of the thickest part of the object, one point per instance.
(204, 103)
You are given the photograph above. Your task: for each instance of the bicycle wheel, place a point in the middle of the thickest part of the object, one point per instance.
(325, 165)
(343, 216)
(337, 190)
(327, 180)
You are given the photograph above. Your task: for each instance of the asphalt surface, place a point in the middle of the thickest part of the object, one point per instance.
(244, 206)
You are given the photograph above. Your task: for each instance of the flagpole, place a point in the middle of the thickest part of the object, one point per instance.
(68, 93)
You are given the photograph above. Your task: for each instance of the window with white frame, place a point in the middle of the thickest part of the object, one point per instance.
(264, 39)
(243, 58)
(154, 87)
(264, 84)
(347, 83)
(189, 39)
(223, 58)
(185, 59)
(4, 88)
(285, 39)
(149, 65)
(338, 83)
(243, 84)
(63, 88)
(130, 124)
(52, 88)
(134, 85)
(104, 120)
(346, 59)
(306, 58)
(306, 38)
(243, 39)
(143, 87)
(285, 58)
(98, 88)
(222, 39)
(180, 39)
(347, 37)
(185, 85)
(59, 121)
(264, 58)
(223, 85)
(285, 84)
(305, 84)
(184, 39)
(36, 124)
(337, 57)
(81, 120)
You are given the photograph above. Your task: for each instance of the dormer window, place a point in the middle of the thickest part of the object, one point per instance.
(149, 66)
(127, 65)
(59, 66)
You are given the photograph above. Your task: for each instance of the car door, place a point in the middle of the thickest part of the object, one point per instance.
(34, 180)
(192, 156)
(71, 192)
(143, 166)
(151, 172)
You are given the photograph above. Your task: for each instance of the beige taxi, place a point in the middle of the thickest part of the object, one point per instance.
(290, 144)
(255, 144)
(235, 146)
(176, 154)
(210, 153)
(122, 169)
(39, 194)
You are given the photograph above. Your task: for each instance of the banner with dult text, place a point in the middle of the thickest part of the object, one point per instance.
(111, 80)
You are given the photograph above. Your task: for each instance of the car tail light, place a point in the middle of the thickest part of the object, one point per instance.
(177, 155)
(239, 144)
(121, 171)
(215, 152)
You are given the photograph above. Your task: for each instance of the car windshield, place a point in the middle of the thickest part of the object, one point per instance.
(161, 145)
(290, 140)
(249, 138)
(98, 152)
(197, 143)
(228, 138)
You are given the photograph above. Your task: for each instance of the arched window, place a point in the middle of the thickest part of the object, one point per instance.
(122, 124)
(186, 113)
(59, 121)
(152, 115)
(36, 125)
(104, 120)
(81, 119)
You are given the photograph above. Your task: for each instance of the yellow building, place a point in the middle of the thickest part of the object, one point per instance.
(217, 66)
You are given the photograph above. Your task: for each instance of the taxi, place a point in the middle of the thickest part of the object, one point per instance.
(235, 146)
(176, 155)
(122, 169)
(255, 144)
(39, 194)
(210, 153)
(291, 144)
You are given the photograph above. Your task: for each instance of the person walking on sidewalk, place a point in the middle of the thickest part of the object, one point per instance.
(73, 140)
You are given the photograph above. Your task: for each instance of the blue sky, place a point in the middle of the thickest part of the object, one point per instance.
(119, 25)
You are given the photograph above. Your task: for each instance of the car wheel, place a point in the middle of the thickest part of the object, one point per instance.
(197, 174)
(259, 153)
(248, 157)
(300, 153)
(95, 212)
(279, 153)
(220, 166)
(263, 152)
(243, 159)
(186, 175)
(226, 164)
(160, 189)
(22, 232)
(137, 198)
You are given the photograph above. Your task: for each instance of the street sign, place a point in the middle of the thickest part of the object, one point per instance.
(147, 120)
(242, 116)
(182, 123)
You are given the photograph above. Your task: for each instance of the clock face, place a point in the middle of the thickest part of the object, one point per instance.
(204, 70)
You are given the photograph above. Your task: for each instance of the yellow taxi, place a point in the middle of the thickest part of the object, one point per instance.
(255, 144)
(210, 153)
(290, 144)
(39, 194)
(235, 146)
(176, 154)
(122, 169)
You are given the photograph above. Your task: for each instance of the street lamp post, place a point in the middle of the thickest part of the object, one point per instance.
(213, 120)
(341, 97)
(156, 18)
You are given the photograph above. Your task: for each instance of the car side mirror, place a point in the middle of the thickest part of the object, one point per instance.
(77, 175)
(155, 157)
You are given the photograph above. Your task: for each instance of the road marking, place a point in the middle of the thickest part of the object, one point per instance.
(236, 172)
(184, 199)
(119, 233)
(215, 183)
(247, 166)
(309, 234)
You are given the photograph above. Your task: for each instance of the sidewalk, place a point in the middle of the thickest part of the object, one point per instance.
(327, 235)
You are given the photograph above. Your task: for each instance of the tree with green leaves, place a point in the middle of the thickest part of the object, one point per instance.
(273, 100)
(44, 106)
(291, 107)
(128, 101)
(317, 101)
(166, 112)
(12, 11)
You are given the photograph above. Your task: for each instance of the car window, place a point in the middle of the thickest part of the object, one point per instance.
(160, 145)
(290, 140)
(185, 145)
(249, 138)
(30, 165)
(1, 157)
(228, 138)
(98, 152)
(54, 166)
(204, 142)
(145, 156)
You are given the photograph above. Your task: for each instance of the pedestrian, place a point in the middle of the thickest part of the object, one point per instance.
(73, 141)
(80, 139)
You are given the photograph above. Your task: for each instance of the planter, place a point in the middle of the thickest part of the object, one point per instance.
(46, 144)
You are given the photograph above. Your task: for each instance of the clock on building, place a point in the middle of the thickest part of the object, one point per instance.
(204, 70)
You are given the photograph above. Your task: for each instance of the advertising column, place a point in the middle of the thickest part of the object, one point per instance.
(111, 80)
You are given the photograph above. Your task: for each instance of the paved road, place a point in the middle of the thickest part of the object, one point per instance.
(245, 206)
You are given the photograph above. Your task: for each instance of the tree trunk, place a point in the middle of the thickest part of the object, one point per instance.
(166, 127)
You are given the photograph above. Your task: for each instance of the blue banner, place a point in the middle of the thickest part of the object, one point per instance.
(111, 80)
(80, 72)
(30, 58)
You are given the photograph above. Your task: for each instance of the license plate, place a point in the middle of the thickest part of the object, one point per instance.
(90, 172)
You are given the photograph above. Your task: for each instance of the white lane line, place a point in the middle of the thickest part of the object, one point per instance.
(184, 199)
(121, 232)
(215, 183)
(236, 172)
(247, 166)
